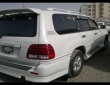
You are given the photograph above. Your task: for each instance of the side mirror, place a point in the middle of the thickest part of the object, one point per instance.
(103, 27)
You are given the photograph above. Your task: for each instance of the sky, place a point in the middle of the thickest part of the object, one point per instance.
(67, 6)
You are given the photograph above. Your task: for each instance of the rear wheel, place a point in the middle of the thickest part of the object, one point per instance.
(76, 63)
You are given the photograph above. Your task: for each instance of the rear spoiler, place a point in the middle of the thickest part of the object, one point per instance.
(16, 11)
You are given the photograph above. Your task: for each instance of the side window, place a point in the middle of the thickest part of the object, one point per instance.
(64, 24)
(78, 25)
(84, 24)
(93, 25)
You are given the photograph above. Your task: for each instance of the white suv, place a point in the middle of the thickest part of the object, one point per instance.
(42, 45)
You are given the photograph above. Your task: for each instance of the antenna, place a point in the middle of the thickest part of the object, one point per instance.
(23, 6)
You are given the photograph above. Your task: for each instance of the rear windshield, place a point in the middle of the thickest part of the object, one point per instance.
(24, 25)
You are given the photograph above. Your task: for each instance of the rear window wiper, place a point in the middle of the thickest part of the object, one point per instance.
(10, 34)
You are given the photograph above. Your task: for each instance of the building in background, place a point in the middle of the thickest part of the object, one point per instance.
(96, 10)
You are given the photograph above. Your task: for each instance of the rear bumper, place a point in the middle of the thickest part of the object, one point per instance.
(46, 72)
(30, 77)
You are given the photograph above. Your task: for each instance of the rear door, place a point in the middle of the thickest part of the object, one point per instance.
(86, 35)
(18, 30)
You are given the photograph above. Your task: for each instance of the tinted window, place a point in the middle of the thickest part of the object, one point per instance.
(93, 25)
(84, 25)
(20, 24)
(64, 24)
(78, 25)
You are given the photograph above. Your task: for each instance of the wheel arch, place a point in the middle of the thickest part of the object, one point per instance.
(81, 48)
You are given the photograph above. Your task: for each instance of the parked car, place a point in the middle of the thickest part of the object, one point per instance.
(104, 23)
(42, 45)
(103, 20)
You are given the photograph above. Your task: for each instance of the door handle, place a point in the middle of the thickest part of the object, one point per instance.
(95, 33)
(83, 36)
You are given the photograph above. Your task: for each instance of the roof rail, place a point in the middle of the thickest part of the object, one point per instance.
(52, 9)
(56, 9)
(78, 13)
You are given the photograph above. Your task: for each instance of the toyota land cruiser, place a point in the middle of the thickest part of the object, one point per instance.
(42, 45)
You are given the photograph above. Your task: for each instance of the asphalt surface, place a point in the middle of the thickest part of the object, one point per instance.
(95, 69)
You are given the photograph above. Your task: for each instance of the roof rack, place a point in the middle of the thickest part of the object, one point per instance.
(56, 9)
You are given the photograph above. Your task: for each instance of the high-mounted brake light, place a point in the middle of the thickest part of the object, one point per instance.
(41, 52)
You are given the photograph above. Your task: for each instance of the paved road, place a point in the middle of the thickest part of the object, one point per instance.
(96, 69)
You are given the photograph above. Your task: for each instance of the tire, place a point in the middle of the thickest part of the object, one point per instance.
(105, 44)
(75, 66)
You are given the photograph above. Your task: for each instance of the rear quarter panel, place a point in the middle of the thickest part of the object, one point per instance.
(62, 44)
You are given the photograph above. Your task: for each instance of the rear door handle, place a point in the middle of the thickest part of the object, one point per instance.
(95, 33)
(83, 36)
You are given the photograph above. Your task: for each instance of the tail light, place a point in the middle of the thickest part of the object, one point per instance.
(41, 52)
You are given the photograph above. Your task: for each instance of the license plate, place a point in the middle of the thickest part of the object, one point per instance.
(7, 49)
